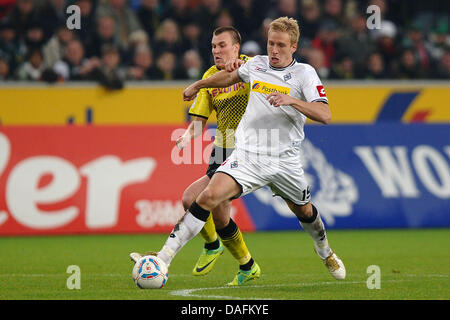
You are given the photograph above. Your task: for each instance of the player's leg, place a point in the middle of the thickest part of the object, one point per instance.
(233, 240)
(190, 194)
(213, 247)
(312, 223)
(218, 190)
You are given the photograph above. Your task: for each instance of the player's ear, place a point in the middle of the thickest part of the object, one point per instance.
(294, 47)
(237, 47)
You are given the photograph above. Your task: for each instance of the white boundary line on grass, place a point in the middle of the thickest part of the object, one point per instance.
(191, 293)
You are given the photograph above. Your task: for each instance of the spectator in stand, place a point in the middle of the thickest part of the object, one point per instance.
(180, 12)
(142, 67)
(316, 58)
(251, 48)
(333, 12)
(149, 15)
(344, 69)
(326, 41)
(5, 7)
(32, 69)
(261, 35)
(439, 40)
(105, 34)
(375, 68)
(224, 19)
(21, 15)
(248, 15)
(356, 42)
(442, 69)
(34, 36)
(110, 74)
(284, 8)
(88, 21)
(310, 20)
(11, 47)
(408, 67)
(386, 44)
(191, 33)
(415, 41)
(54, 49)
(5, 70)
(52, 14)
(168, 38)
(166, 67)
(192, 68)
(74, 65)
(206, 15)
(125, 20)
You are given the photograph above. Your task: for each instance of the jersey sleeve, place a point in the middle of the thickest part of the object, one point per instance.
(312, 87)
(244, 71)
(202, 105)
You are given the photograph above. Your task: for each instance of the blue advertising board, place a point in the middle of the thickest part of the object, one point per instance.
(383, 175)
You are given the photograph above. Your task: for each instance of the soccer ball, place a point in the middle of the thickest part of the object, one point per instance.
(150, 272)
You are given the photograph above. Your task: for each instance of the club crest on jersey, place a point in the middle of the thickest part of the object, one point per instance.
(267, 88)
(321, 91)
(287, 77)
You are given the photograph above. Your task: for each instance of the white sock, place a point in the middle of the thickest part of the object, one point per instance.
(316, 230)
(184, 230)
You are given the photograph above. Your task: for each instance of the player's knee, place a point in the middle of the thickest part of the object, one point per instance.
(207, 199)
(187, 199)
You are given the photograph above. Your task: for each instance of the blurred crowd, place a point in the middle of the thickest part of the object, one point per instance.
(122, 40)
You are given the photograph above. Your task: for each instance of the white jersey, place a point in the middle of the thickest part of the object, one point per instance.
(265, 129)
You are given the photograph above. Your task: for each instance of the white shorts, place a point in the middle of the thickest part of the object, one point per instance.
(285, 176)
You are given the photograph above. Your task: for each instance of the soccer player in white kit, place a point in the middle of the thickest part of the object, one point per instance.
(267, 150)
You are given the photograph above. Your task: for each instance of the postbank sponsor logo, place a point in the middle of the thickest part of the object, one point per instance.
(267, 88)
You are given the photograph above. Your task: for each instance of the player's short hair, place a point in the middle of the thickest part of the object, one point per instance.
(285, 24)
(235, 35)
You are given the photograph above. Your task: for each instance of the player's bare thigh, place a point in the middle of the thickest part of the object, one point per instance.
(221, 188)
(221, 212)
(193, 191)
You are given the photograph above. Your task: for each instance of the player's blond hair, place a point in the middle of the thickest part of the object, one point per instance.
(286, 24)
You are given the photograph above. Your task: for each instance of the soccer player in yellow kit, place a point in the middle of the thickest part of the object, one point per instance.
(230, 104)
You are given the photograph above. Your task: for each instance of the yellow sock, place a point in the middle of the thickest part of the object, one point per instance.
(209, 230)
(234, 241)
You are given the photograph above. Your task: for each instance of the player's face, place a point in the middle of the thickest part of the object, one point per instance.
(223, 49)
(280, 49)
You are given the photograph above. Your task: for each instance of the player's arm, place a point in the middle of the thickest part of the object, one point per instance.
(317, 111)
(220, 79)
(194, 129)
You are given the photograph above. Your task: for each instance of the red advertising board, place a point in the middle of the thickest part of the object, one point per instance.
(98, 179)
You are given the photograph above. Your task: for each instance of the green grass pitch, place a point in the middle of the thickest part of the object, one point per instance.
(414, 264)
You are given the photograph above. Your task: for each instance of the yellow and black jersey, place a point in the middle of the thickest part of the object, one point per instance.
(229, 104)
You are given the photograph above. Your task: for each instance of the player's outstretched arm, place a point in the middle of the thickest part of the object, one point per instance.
(194, 129)
(220, 79)
(317, 111)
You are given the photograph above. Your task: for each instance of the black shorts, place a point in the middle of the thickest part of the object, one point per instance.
(218, 156)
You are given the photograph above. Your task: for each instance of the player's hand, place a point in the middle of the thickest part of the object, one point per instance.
(190, 92)
(233, 64)
(182, 142)
(278, 99)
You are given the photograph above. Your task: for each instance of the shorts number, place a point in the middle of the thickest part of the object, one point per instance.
(306, 194)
